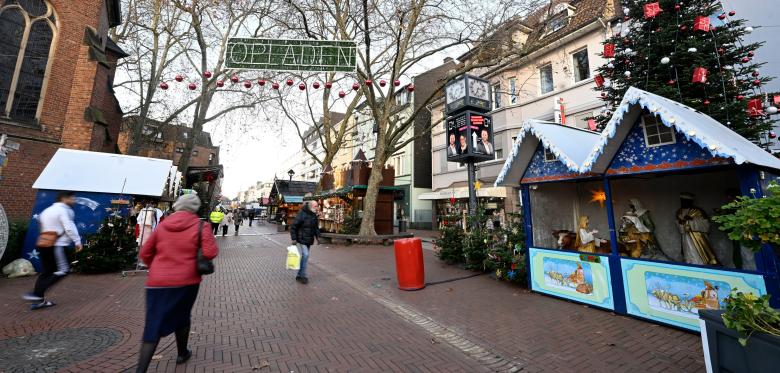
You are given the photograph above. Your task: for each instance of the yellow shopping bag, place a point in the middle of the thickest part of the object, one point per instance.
(293, 258)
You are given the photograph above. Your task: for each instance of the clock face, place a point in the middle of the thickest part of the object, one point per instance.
(456, 91)
(479, 89)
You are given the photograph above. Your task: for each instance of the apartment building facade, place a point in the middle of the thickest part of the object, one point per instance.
(552, 81)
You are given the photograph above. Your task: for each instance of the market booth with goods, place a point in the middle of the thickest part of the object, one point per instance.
(622, 220)
(104, 184)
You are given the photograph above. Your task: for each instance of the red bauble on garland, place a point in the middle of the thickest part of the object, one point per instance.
(396, 82)
(290, 82)
(355, 86)
(261, 82)
(207, 74)
(410, 88)
(342, 94)
(234, 79)
(275, 85)
(163, 86)
(179, 78)
(316, 85)
(382, 83)
(732, 13)
(247, 84)
(220, 83)
(192, 86)
(328, 85)
(722, 16)
(302, 86)
(369, 82)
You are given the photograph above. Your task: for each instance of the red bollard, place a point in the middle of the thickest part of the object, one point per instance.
(409, 265)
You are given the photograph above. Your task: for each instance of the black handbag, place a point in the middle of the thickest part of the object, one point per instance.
(204, 266)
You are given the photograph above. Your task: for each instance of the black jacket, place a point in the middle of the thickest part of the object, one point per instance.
(305, 227)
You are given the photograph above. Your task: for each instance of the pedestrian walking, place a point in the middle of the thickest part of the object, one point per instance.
(58, 231)
(237, 222)
(251, 216)
(226, 222)
(215, 218)
(173, 281)
(303, 231)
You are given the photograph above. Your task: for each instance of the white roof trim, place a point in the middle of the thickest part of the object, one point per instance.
(698, 127)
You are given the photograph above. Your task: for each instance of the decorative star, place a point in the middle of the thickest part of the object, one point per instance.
(477, 185)
(35, 217)
(33, 254)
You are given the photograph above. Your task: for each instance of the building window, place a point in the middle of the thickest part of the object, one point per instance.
(498, 145)
(496, 95)
(512, 91)
(179, 150)
(212, 156)
(549, 156)
(580, 63)
(195, 153)
(546, 78)
(656, 133)
(27, 29)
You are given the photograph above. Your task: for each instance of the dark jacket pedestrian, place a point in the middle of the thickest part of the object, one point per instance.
(303, 231)
(173, 282)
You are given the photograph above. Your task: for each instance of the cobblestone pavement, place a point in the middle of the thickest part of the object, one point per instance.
(251, 316)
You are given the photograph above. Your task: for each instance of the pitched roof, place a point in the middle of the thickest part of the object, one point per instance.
(696, 126)
(570, 145)
(294, 187)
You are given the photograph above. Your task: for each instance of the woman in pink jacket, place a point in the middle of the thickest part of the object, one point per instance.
(172, 286)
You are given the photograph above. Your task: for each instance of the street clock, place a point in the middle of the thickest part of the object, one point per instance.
(467, 92)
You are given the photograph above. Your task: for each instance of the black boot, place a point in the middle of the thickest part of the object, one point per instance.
(182, 337)
(145, 356)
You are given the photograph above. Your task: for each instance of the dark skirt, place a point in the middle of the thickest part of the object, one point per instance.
(167, 310)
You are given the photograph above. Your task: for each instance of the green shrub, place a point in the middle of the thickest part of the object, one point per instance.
(450, 244)
(17, 231)
(753, 221)
(351, 224)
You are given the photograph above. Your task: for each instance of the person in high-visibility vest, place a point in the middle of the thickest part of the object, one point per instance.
(215, 218)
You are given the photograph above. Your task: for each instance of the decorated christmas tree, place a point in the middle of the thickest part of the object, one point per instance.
(689, 51)
(112, 248)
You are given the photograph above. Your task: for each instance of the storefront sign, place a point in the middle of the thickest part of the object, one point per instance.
(291, 55)
(673, 294)
(566, 275)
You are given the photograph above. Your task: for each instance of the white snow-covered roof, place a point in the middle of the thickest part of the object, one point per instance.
(570, 144)
(696, 126)
(84, 171)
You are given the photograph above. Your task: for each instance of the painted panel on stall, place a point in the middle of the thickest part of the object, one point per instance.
(541, 170)
(673, 294)
(634, 156)
(573, 276)
(90, 211)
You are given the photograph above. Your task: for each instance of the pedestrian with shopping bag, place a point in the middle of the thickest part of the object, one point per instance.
(178, 252)
(303, 231)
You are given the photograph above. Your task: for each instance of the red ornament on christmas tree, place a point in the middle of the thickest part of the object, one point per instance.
(163, 86)
(247, 84)
(652, 10)
(316, 85)
(275, 86)
(609, 50)
(677, 7)
(700, 75)
(751, 54)
(772, 134)
(220, 83)
(207, 74)
(599, 80)
(671, 82)
(234, 78)
(755, 73)
(453, 200)
(261, 82)
(179, 78)
(732, 13)
(342, 94)
(740, 97)
(592, 124)
(756, 82)
(755, 107)
(722, 16)
(706, 102)
(701, 23)
(745, 59)
(776, 100)
(382, 83)
(302, 86)
(328, 85)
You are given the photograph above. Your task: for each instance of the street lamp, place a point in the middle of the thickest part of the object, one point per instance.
(291, 173)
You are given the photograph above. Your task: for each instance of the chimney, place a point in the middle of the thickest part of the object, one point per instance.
(448, 59)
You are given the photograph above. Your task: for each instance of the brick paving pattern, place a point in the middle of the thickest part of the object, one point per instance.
(252, 317)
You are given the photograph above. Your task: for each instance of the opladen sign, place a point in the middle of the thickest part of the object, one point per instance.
(291, 55)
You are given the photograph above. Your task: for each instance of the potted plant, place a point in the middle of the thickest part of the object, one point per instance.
(753, 221)
(743, 337)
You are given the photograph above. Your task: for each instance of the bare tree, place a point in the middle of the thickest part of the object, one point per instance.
(394, 38)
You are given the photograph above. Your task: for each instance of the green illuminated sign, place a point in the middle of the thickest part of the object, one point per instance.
(291, 55)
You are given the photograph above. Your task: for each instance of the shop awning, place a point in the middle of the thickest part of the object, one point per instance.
(346, 190)
(463, 192)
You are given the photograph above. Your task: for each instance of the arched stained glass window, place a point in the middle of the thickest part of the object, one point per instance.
(27, 29)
